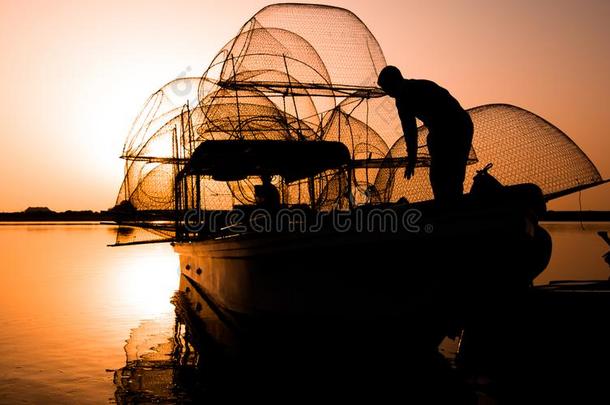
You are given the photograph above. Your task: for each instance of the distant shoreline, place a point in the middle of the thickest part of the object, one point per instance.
(67, 223)
(70, 216)
(107, 216)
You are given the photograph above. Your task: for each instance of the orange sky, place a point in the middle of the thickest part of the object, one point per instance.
(74, 75)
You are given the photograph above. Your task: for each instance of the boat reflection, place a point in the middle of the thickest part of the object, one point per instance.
(546, 345)
(161, 365)
(197, 356)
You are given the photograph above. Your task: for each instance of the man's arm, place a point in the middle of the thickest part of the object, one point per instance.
(409, 127)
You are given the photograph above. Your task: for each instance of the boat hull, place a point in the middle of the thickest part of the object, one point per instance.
(430, 279)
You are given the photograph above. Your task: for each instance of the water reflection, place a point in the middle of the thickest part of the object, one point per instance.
(161, 366)
(186, 362)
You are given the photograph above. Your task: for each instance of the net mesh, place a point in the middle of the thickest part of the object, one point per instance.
(523, 147)
(308, 73)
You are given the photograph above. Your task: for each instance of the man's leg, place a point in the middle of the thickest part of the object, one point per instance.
(442, 166)
(446, 178)
(448, 157)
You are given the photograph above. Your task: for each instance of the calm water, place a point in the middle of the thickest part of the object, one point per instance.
(67, 305)
(73, 310)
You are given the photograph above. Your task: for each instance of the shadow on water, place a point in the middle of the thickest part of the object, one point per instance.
(188, 364)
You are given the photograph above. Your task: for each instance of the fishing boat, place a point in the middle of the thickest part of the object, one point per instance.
(286, 261)
(278, 178)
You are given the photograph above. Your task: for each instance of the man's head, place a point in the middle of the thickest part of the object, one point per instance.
(389, 80)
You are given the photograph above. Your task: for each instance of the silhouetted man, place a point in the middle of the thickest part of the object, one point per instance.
(449, 130)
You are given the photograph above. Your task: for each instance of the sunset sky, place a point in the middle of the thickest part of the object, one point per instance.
(75, 74)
